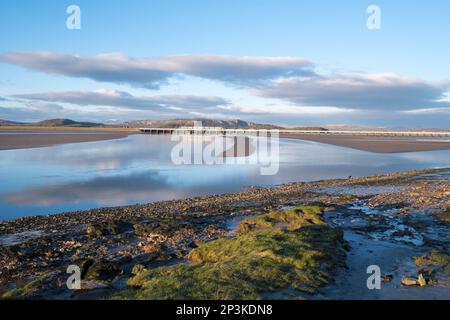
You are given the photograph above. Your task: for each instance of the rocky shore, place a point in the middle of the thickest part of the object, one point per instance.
(408, 211)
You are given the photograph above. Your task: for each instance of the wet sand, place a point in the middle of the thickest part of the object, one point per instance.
(377, 144)
(393, 258)
(25, 140)
(243, 147)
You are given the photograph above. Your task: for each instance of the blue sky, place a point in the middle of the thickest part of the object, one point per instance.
(288, 62)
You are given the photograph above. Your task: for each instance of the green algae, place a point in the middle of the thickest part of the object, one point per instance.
(433, 262)
(287, 249)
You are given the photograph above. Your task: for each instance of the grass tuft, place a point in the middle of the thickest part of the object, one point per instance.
(283, 249)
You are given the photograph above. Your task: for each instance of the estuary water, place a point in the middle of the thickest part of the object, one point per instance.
(139, 169)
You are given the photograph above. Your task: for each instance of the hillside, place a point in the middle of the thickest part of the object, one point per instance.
(229, 124)
(65, 123)
(52, 123)
(310, 128)
(9, 123)
(172, 123)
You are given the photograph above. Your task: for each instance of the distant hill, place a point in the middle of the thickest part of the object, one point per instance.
(52, 123)
(9, 123)
(421, 129)
(343, 127)
(310, 128)
(66, 123)
(174, 123)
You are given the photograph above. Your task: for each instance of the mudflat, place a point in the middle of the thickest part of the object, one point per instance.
(30, 139)
(377, 144)
(36, 138)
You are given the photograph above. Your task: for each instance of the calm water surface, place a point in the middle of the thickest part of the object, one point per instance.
(138, 169)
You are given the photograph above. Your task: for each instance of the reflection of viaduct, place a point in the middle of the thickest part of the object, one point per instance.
(222, 131)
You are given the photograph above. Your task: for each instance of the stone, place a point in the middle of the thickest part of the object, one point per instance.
(122, 258)
(387, 278)
(408, 281)
(421, 280)
(85, 265)
(103, 271)
(108, 228)
(92, 285)
(153, 248)
(143, 230)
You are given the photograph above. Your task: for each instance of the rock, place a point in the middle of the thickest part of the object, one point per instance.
(85, 265)
(152, 248)
(143, 230)
(387, 278)
(108, 228)
(92, 285)
(148, 248)
(408, 281)
(421, 280)
(191, 244)
(403, 233)
(103, 271)
(122, 258)
(94, 230)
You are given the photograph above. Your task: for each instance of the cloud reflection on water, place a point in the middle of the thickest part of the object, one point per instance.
(138, 170)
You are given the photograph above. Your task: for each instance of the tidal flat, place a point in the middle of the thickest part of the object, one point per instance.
(309, 240)
(377, 144)
(13, 140)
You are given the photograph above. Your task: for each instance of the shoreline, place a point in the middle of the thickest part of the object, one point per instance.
(376, 144)
(265, 194)
(158, 235)
(30, 138)
(14, 138)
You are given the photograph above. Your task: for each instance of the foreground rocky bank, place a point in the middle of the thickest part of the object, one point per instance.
(300, 240)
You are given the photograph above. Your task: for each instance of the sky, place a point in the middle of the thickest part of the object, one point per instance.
(287, 62)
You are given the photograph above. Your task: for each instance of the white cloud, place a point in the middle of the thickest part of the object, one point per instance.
(291, 83)
(288, 110)
(152, 72)
(377, 91)
(115, 98)
(428, 111)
